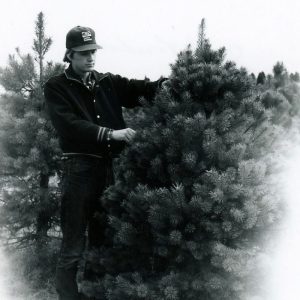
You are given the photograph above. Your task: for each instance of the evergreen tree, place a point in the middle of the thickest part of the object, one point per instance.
(295, 77)
(192, 205)
(253, 76)
(280, 94)
(201, 35)
(261, 78)
(29, 159)
(280, 74)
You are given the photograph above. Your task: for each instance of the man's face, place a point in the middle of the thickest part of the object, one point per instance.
(84, 61)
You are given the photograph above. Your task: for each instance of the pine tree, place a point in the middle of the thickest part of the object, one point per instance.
(280, 94)
(280, 74)
(201, 36)
(295, 77)
(192, 206)
(29, 160)
(253, 76)
(261, 78)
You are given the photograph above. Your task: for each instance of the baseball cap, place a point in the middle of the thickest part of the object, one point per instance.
(81, 38)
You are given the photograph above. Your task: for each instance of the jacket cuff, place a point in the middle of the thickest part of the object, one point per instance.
(102, 134)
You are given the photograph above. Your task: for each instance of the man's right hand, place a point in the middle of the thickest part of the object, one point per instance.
(126, 135)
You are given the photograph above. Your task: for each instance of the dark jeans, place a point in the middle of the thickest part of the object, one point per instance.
(84, 180)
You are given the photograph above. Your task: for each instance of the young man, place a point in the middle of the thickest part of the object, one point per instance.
(85, 108)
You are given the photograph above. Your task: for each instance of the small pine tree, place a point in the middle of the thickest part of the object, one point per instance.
(29, 151)
(253, 76)
(192, 205)
(280, 94)
(280, 74)
(201, 36)
(261, 78)
(295, 77)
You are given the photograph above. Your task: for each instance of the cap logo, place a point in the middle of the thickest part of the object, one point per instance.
(87, 36)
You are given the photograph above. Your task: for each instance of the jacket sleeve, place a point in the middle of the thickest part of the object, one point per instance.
(130, 90)
(67, 123)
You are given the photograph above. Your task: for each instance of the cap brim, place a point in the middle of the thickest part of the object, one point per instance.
(87, 47)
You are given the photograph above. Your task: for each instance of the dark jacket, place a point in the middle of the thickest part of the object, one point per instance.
(83, 117)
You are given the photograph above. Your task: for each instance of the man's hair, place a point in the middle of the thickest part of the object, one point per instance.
(69, 52)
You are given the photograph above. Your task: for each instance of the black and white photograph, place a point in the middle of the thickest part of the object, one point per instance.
(150, 150)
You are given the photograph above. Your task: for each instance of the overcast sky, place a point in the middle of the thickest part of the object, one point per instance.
(142, 37)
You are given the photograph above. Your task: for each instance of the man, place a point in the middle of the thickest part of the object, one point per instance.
(85, 108)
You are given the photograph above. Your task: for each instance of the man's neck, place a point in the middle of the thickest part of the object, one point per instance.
(83, 75)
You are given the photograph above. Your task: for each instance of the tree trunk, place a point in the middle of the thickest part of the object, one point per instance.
(44, 216)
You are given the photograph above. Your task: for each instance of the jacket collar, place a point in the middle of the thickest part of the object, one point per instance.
(72, 75)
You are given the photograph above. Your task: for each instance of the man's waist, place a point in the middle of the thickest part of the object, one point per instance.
(67, 155)
(70, 148)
